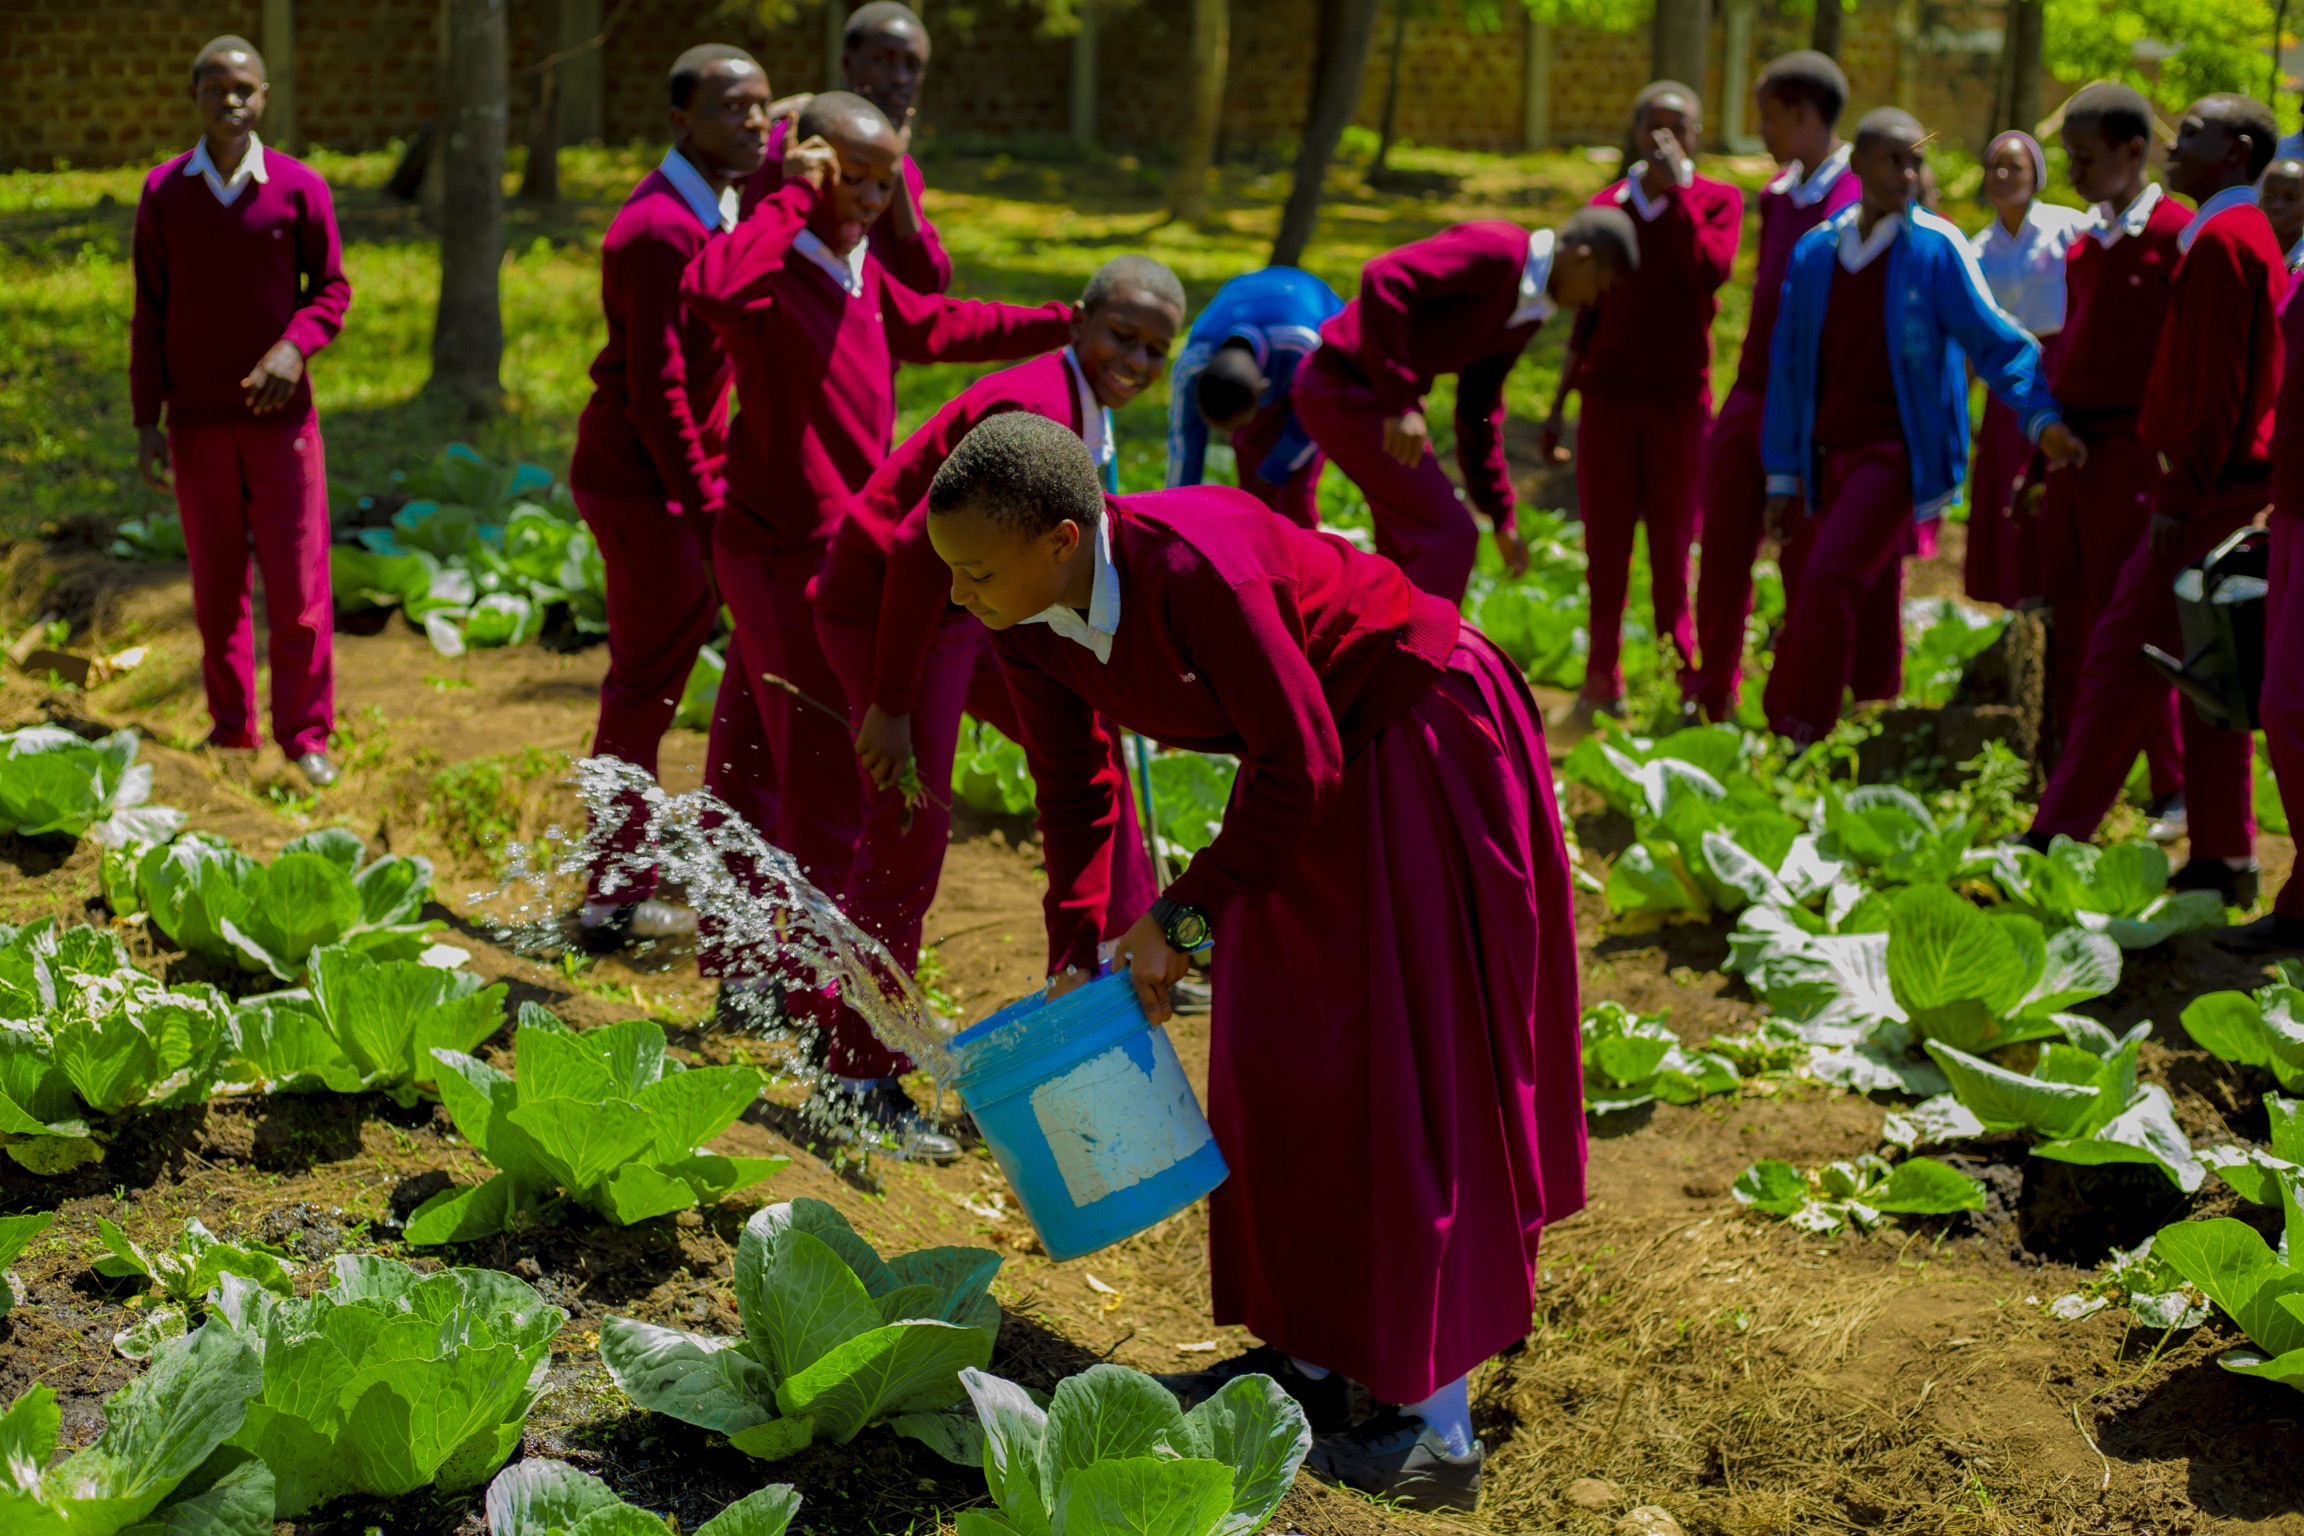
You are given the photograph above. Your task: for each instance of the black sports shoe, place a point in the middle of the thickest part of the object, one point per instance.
(1326, 1403)
(749, 1010)
(1400, 1458)
(882, 1113)
(2236, 886)
(608, 935)
(2270, 934)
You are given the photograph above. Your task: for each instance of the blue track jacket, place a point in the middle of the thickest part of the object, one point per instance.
(1940, 313)
(1277, 311)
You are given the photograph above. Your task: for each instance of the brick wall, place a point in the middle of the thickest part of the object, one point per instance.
(367, 68)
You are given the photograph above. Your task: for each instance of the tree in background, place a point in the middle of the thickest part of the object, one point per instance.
(2016, 99)
(1824, 33)
(1346, 28)
(468, 331)
(1676, 43)
(1204, 109)
(2174, 51)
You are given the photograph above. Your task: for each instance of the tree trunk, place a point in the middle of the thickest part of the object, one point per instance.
(1391, 89)
(1211, 53)
(1676, 47)
(468, 332)
(1084, 48)
(2023, 52)
(1825, 39)
(1346, 30)
(540, 177)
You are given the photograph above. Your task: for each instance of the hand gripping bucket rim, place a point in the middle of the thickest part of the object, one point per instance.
(1088, 1111)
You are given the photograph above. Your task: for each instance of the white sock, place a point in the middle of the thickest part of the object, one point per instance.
(1312, 1372)
(1448, 1412)
(2245, 861)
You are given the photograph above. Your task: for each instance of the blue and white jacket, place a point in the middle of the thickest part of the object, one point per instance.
(1278, 312)
(1940, 313)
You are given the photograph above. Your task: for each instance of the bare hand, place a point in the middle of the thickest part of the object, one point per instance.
(2167, 533)
(884, 744)
(1511, 545)
(152, 457)
(1777, 515)
(1665, 154)
(2029, 496)
(791, 106)
(1548, 444)
(275, 378)
(815, 162)
(1407, 437)
(2063, 446)
(1152, 964)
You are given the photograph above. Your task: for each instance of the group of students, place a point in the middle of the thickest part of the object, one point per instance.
(1394, 1073)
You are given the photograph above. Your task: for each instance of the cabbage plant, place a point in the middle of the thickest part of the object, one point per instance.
(2256, 1285)
(154, 537)
(2265, 1029)
(55, 782)
(1114, 1454)
(1632, 1059)
(181, 1276)
(1858, 1193)
(835, 1339)
(162, 1467)
(363, 1024)
(551, 1498)
(2121, 891)
(1887, 832)
(604, 1116)
(389, 1380)
(2258, 1175)
(16, 1234)
(2145, 1284)
(2085, 1107)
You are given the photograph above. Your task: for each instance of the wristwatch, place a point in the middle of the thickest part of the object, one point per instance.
(1186, 927)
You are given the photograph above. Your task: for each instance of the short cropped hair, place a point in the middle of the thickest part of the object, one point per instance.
(2118, 112)
(1887, 123)
(689, 69)
(1230, 384)
(1656, 90)
(1608, 231)
(1807, 76)
(1142, 273)
(831, 112)
(878, 16)
(2247, 118)
(218, 47)
(1023, 472)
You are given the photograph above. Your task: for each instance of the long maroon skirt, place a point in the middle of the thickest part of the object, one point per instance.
(1395, 1077)
(2003, 548)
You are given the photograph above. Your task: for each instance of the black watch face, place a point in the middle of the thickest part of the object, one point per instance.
(1188, 929)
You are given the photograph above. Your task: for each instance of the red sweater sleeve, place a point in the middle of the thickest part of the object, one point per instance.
(1480, 433)
(1079, 793)
(735, 276)
(2203, 370)
(930, 328)
(657, 374)
(1392, 286)
(1719, 229)
(912, 604)
(320, 262)
(147, 359)
(919, 263)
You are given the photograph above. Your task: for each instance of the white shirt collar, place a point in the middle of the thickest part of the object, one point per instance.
(1095, 417)
(1103, 620)
(250, 168)
(1807, 188)
(1857, 251)
(1635, 189)
(1535, 277)
(2110, 226)
(2230, 197)
(717, 213)
(847, 271)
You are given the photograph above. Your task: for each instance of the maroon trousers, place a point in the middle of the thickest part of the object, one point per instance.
(2282, 701)
(2120, 696)
(1637, 464)
(1851, 563)
(1735, 504)
(1422, 523)
(1298, 497)
(2003, 562)
(254, 496)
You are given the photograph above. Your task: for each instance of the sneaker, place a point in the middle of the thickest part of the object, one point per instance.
(318, 771)
(2169, 822)
(1189, 996)
(2237, 886)
(1401, 1459)
(1327, 1403)
(603, 928)
(878, 1111)
(2271, 934)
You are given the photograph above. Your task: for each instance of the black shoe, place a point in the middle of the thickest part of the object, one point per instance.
(2036, 841)
(608, 935)
(880, 1113)
(1399, 1458)
(2270, 934)
(1326, 1403)
(2236, 886)
(749, 1010)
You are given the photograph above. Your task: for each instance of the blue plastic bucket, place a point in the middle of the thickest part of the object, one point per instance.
(1085, 1105)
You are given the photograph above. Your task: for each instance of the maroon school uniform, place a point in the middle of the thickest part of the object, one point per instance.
(1645, 373)
(217, 285)
(918, 263)
(2207, 418)
(2282, 700)
(1451, 303)
(815, 386)
(1735, 485)
(1392, 1071)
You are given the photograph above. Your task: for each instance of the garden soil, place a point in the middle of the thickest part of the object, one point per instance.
(1743, 1376)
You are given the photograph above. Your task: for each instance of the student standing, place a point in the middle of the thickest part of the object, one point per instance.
(2280, 193)
(1465, 301)
(1867, 416)
(2021, 254)
(239, 280)
(1641, 356)
(1800, 97)
(2207, 418)
(1234, 376)
(649, 452)
(1392, 1075)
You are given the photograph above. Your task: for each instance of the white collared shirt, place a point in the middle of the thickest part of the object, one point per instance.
(2025, 270)
(1095, 417)
(716, 213)
(847, 271)
(1857, 251)
(2109, 227)
(250, 168)
(1103, 619)
(1807, 188)
(1635, 188)
(2230, 197)
(1535, 282)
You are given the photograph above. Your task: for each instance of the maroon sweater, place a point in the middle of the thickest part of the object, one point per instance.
(2114, 296)
(2208, 409)
(2288, 415)
(815, 374)
(1239, 632)
(918, 263)
(1855, 386)
(1782, 223)
(217, 286)
(1440, 306)
(657, 424)
(1650, 337)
